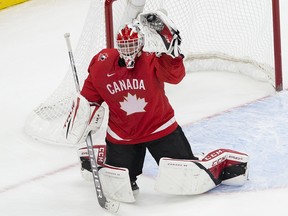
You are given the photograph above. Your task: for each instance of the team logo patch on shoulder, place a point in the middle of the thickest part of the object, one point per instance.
(102, 56)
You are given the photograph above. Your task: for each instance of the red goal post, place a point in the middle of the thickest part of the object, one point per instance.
(277, 45)
(217, 35)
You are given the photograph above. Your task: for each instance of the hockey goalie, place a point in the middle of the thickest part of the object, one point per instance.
(130, 79)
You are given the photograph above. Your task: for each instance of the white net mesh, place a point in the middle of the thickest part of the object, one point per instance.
(223, 35)
(46, 121)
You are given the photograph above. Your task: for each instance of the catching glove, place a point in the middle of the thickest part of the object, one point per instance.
(161, 34)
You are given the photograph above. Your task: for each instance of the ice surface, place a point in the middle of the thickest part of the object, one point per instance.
(215, 110)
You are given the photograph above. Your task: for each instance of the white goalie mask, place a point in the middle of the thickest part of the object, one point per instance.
(130, 42)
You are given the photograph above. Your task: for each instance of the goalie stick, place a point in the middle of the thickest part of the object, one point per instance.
(104, 202)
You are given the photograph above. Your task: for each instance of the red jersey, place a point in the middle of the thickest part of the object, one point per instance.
(139, 110)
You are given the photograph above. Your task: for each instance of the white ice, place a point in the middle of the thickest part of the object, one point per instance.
(41, 179)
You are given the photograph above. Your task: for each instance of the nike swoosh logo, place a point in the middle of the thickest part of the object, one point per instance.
(109, 75)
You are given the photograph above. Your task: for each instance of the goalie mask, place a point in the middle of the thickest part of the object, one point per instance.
(129, 44)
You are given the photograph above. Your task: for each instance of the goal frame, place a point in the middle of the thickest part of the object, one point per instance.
(276, 37)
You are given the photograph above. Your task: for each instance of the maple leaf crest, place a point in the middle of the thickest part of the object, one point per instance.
(131, 104)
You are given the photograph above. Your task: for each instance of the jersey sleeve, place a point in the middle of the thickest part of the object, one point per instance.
(88, 90)
(170, 70)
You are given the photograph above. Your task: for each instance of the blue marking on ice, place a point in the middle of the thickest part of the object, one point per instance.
(259, 129)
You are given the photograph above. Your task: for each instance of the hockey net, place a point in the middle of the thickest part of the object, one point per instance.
(218, 35)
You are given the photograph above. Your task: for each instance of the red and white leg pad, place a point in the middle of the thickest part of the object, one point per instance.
(182, 177)
(116, 184)
(115, 181)
(99, 151)
(235, 165)
(190, 177)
